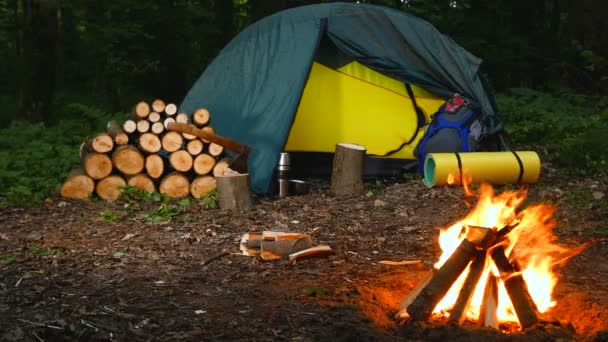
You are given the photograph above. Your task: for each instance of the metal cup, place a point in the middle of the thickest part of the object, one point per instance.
(283, 169)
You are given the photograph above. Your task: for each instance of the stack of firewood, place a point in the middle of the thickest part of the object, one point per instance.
(142, 153)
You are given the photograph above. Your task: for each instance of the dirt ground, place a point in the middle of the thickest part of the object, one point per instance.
(65, 274)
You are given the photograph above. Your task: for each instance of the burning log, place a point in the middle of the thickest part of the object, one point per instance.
(488, 315)
(422, 307)
(525, 308)
(409, 299)
(459, 311)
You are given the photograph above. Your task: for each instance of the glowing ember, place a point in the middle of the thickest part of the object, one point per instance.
(531, 243)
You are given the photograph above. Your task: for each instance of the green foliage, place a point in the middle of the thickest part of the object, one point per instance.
(108, 216)
(40, 251)
(133, 195)
(314, 291)
(164, 213)
(7, 260)
(573, 127)
(210, 199)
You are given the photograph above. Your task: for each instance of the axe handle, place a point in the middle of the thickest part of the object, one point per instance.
(214, 138)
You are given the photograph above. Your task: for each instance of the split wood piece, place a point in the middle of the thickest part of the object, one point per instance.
(274, 250)
(101, 143)
(158, 105)
(154, 117)
(277, 236)
(313, 252)
(175, 185)
(172, 141)
(119, 136)
(155, 166)
(170, 109)
(129, 126)
(525, 308)
(167, 121)
(110, 187)
(182, 118)
(399, 263)
(157, 128)
(128, 160)
(347, 170)
(143, 126)
(233, 192)
(422, 307)
(248, 245)
(221, 168)
(215, 149)
(141, 110)
(142, 181)
(488, 315)
(407, 300)
(189, 136)
(97, 165)
(459, 311)
(77, 185)
(149, 143)
(201, 186)
(201, 117)
(203, 164)
(195, 147)
(180, 160)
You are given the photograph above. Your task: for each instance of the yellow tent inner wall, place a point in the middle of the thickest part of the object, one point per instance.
(358, 105)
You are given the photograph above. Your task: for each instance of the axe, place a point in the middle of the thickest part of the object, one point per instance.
(239, 164)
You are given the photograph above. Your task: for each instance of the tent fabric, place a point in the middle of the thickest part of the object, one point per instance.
(254, 85)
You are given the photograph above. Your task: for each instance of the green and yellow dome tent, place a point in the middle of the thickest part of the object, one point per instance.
(307, 78)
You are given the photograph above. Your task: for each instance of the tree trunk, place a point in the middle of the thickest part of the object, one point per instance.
(40, 59)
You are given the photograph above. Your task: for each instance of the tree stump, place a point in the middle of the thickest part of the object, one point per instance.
(233, 191)
(347, 172)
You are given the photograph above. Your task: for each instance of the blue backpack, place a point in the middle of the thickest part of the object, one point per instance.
(453, 128)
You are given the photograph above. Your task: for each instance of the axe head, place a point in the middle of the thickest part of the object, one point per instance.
(240, 163)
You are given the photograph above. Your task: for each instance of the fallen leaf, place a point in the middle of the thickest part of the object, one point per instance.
(380, 203)
(128, 236)
(598, 195)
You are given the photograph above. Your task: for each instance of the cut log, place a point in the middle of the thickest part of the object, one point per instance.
(141, 110)
(149, 143)
(459, 311)
(143, 126)
(175, 185)
(182, 118)
(233, 192)
(119, 136)
(313, 252)
(201, 186)
(110, 187)
(247, 245)
(167, 121)
(154, 117)
(158, 105)
(181, 160)
(347, 171)
(172, 141)
(525, 308)
(210, 130)
(195, 147)
(220, 168)
(155, 166)
(128, 160)
(170, 109)
(215, 149)
(201, 117)
(276, 236)
(101, 143)
(422, 307)
(273, 250)
(407, 300)
(189, 136)
(203, 164)
(488, 315)
(129, 126)
(157, 128)
(77, 185)
(142, 182)
(97, 165)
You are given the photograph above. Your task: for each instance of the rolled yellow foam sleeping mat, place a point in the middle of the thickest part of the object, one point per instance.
(510, 167)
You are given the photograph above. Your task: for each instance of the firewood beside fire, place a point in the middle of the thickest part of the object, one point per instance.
(141, 152)
(271, 245)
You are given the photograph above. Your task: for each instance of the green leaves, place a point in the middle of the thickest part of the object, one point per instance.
(210, 199)
(164, 213)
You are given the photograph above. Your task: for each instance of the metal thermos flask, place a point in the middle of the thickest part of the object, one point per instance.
(283, 174)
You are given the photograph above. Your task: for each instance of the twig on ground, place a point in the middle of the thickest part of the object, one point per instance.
(18, 282)
(216, 257)
(38, 337)
(40, 324)
(88, 325)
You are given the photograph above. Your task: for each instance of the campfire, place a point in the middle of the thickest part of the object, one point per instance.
(496, 265)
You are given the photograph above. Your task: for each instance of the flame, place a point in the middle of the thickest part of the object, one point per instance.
(531, 243)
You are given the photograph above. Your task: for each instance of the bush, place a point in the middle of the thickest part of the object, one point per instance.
(571, 127)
